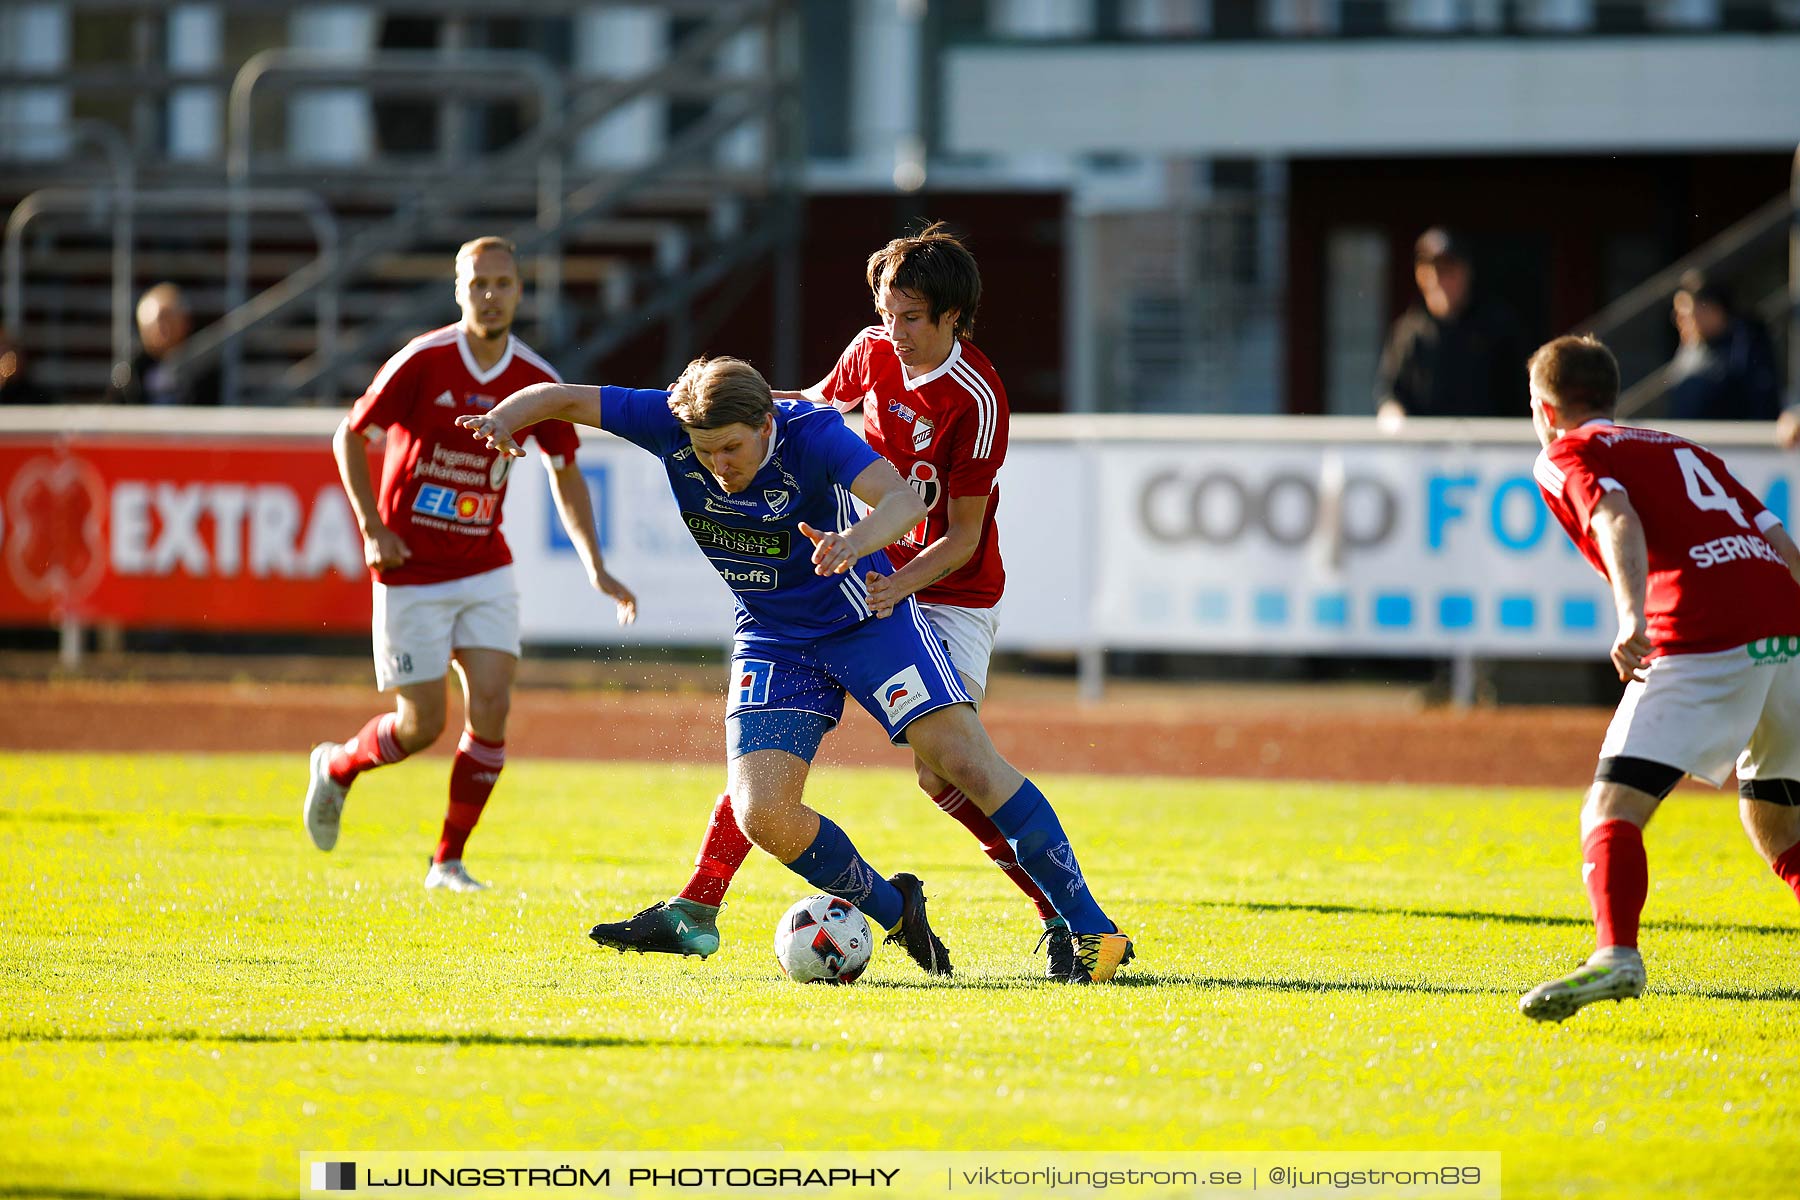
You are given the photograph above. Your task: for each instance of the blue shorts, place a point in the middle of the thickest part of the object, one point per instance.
(897, 668)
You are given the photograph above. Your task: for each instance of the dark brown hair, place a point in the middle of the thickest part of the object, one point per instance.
(1579, 372)
(934, 265)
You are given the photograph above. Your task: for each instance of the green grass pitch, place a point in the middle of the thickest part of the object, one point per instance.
(193, 994)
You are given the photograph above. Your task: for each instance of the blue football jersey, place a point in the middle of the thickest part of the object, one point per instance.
(752, 538)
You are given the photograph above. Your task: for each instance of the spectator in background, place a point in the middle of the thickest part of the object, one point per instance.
(1725, 368)
(1457, 354)
(16, 386)
(163, 324)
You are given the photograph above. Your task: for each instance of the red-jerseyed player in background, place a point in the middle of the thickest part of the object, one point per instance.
(1704, 580)
(444, 590)
(933, 405)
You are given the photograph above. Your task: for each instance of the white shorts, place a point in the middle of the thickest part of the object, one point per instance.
(969, 632)
(418, 625)
(1703, 712)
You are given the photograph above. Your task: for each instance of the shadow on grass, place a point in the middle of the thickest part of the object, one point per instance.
(1227, 983)
(1475, 915)
(1142, 979)
(1783, 995)
(599, 1041)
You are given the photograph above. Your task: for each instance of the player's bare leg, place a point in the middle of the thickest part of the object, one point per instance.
(487, 677)
(954, 745)
(415, 723)
(1616, 875)
(766, 786)
(1774, 826)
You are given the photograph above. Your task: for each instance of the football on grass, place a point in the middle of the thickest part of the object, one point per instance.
(823, 939)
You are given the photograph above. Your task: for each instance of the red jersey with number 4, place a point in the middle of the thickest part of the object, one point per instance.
(1715, 581)
(441, 489)
(946, 432)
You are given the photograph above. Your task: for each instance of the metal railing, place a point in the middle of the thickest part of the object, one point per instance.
(550, 137)
(493, 71)
(1754, 234)
(308, 204)
(118, 156)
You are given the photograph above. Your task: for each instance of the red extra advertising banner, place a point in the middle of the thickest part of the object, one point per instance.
(205, 533)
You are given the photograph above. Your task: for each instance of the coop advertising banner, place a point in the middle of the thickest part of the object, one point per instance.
(192, 532)
(1366, 548)
(1272, 544)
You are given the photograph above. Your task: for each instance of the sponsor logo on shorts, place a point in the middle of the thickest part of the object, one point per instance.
(753, 675)
(902, 693)
(1770, 651)
(747, 579)
(448, 504)
(747, 543)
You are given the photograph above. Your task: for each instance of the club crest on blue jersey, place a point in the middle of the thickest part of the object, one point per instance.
(777, 500)
(753, 675)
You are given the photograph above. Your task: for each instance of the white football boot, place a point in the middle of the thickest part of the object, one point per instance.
(324, 808)
(451, 876)
(1610, 973)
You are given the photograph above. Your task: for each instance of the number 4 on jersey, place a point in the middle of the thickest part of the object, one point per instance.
(1703, 488)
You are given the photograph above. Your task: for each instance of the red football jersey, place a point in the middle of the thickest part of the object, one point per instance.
(1715, 581)
(441, 489)
(946, 432)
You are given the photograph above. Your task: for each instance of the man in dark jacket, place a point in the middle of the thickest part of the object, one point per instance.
(163, 324)
(1456, 354)
(1725, 368)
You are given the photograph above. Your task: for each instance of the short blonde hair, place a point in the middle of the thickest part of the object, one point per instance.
(715, 392)
(471, 249)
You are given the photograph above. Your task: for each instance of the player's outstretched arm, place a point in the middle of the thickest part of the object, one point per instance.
(894, 508)
(500, 426)
(1619, 536)
(815, 393)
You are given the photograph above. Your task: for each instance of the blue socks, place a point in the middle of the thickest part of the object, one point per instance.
(1042, 848)
(832, 865)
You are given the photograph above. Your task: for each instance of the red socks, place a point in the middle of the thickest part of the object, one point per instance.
(994, 845)
(722, 852)
(473, 773)
(373, 746)
(1787, 865)
(1618, 880)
